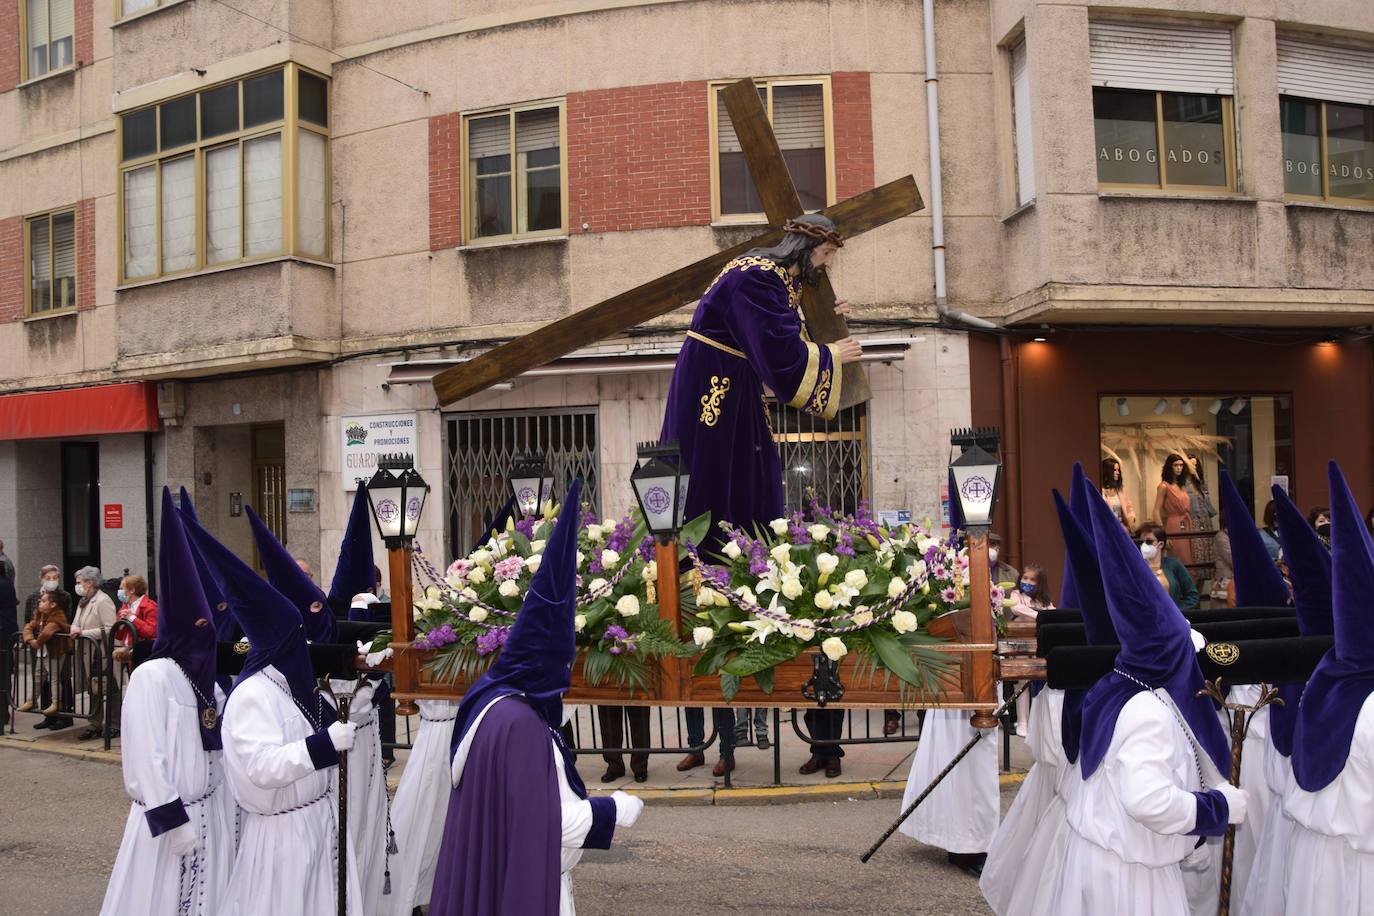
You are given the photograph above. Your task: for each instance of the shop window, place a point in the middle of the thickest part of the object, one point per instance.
(800, 112)
(50, 247)
(516, 183)
(47, 28)
(205, 178)
(1250, 436)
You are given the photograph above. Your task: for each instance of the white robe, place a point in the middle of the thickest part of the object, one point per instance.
(1024, 858)
(287, 856)
(1330, 868)
(163, 760)
(1264, 894)
(417, 814)
(1129, 821)
(577, 812)
(961, 814)
(367, 817)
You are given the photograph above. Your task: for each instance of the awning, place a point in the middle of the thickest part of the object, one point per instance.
(126, 408)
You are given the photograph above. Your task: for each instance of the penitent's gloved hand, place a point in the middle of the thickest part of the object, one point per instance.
(1237, 802)
(627, 809)
(181, 840)
(342, 735)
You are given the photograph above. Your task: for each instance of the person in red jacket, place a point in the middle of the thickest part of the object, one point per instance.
(137, 607)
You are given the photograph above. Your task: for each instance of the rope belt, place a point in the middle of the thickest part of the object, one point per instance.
(715, 343)
(328, 790)
(194, 801)
(425, 718)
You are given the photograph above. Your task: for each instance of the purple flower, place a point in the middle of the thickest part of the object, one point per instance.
(948, 595)
(619, 539)
(615, 650)
(615, 631)
(718, 576)
(845, 545)
(621, 641)
(527, 525)
(492, 640)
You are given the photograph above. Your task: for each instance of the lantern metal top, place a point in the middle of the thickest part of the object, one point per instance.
(667, 448)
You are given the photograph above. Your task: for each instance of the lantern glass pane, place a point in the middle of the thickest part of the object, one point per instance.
(415, 506)
(682, 500)
(654, 490)
(976, 484)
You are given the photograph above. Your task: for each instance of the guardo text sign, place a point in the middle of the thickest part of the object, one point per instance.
(362, 440)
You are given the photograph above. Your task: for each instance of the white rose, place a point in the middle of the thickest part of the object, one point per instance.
(628, 606)
(791, 588)
(609, 524)
(803, 630)
(482, 557)
(579, 622)
(595, 534)
(746, 595)
(537, 546)
(904, 622)
(509, 589)
(818, 532)
(469, 594)
(823, 601)
(477, 575)
(456, 580)
(924, 545)
(706, 597)
(596, 586)
(650, 571)
(826, 563)
(779, 526)
(895, 587)
(609, 558)
(580, 558)
(477, 614)
(856, 578)
(702, 636)
(862, 617)
(781, 553)
(532, 563)
(916, 570)
(731, 550)
(834, 648)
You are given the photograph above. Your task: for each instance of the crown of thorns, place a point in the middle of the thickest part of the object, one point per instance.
(814, 231)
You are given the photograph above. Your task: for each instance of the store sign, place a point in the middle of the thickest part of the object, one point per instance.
(1181, 154)
(364, 439)
(893, 518)
(114, 515)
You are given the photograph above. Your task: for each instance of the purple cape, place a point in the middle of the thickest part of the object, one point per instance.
(500, 849)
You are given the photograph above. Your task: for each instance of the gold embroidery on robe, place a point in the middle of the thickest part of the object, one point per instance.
(710, 402)
(793, 295)
(808, 379)
(821, 399)
(832, 403)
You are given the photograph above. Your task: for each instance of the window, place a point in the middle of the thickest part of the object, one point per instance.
(516, 185)
(50, 249)
(799, 111)
(206, 178)
(125, 8)
(1162, 106)
(1021, 125)
(1327, 121)
(47, 27)
(822, 459)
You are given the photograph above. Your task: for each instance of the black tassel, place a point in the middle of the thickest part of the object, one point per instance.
(391, 847)
(386, 885)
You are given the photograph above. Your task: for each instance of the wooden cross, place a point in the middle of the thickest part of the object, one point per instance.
(852, 217)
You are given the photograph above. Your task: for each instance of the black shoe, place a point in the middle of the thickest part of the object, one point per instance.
(46, 723)
(763, 744)
(642, 776)
(59, 724)
(612, 774)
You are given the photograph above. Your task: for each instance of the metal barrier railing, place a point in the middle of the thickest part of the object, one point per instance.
(119, 652)
(64, 678)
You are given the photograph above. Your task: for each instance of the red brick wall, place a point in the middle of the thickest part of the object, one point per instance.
(83, 15)
(852, 105)
(10, 46)
(85, 254)
(638, 157)
(445, 182)
(11, 269)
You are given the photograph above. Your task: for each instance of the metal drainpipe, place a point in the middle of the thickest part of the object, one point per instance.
(937, 197)
(1011, 449)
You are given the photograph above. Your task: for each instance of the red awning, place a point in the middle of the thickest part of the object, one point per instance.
(126, 408)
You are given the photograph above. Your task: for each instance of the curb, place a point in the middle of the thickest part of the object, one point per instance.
(97, 754)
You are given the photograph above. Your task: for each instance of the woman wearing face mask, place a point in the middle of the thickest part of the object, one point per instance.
(137, 607)
(1172, 574)
(1003, 573)
(1174, 504)
(1032, 595)
(1320, 520)
(95, 614)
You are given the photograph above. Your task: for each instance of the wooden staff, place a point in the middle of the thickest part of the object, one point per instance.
(342, 702)
(940, 777)
(1240, 715)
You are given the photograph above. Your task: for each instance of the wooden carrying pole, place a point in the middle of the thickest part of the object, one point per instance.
(674, 675)
(982, 632)
(406, 664)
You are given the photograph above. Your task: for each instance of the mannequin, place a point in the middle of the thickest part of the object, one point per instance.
(1114, 491)
(1174, 505)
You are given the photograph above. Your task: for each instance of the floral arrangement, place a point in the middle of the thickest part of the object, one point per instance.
(839, 582)
(464, 614)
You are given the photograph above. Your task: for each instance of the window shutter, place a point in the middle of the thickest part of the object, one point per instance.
(40, 251)
(1320, 71)
(535, 130)
(61, 13)
(488, 137)
(140, 222)
(37, 18)
(222, 207)
(64, 246)
(179, 214)
(799, 117)
(312, 208)
(1021, 121)
(726, 139)
(262, 195)
(1170, 58)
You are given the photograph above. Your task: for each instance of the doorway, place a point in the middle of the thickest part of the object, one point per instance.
(80, 506)
(269, 479)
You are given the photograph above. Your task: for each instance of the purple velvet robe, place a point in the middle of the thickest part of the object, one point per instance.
(500, 850)
(747, 333)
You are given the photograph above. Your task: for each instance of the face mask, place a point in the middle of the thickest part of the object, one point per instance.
(1149, 551)
(992, 554)
(80, 590)
(1028, 588)
(1324, 530)
(123, 596)
(49, 585)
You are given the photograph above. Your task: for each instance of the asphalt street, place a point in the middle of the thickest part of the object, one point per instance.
(63, 819)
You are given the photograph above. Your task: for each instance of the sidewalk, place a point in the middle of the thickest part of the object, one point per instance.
(870, 770)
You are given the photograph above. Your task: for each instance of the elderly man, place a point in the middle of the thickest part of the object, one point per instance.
(49, 580)
(95, 614)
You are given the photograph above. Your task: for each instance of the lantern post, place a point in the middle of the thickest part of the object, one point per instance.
(660, 483)
(396, 494)
(975, 477)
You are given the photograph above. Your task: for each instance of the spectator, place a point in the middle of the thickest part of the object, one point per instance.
(6, 565)
(826, 725)
(1002, 571)
(723, 718)
(1320, 520)
(1270, 532)
(46, 635)
(1222, 570)
(9, 628)
(140, 610)
(1032, 596)
(377, 589)
(305, 568)
(1172, 574)
(49, 580)
(95, 614)
(760, 719)
(613, 719)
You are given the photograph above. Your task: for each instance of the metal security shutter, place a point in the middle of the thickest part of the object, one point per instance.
(1021, 123)
(536, 130)
(1170, 58)
(489, 137)
(799, 117)
(1329, 72)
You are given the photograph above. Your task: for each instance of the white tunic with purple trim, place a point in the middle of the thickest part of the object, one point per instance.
(173, 780)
